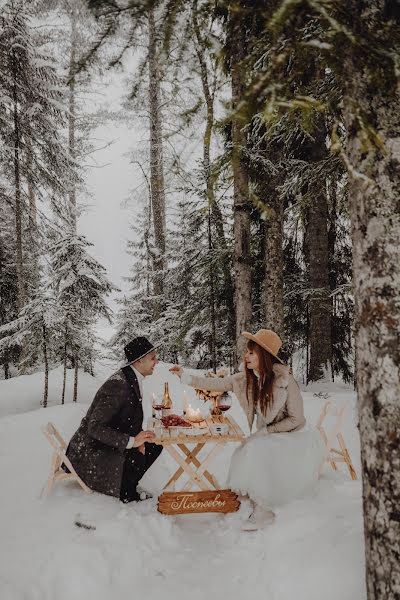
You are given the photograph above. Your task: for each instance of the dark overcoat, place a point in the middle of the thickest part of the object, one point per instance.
(97, 449)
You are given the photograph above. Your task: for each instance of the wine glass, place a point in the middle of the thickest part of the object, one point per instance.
(157, 405)
(224, 402)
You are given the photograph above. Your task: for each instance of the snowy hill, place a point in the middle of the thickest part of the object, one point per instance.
(314, 550)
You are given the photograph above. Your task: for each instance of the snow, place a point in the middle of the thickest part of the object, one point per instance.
(314, 550)
(318, 44)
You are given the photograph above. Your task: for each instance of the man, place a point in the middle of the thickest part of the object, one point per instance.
(109, 451)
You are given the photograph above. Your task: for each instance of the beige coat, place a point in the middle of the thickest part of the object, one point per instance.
(286, 412)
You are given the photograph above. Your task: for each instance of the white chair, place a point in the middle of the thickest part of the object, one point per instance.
(335, 455)
(59, 458)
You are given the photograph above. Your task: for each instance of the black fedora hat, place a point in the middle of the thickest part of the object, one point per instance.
(137, 349)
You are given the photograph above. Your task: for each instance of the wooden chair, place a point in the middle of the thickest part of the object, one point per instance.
(335, 455)
(59, 458)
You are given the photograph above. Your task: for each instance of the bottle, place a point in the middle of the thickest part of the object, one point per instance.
(167, 402)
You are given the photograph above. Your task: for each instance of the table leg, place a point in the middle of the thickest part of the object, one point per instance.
(211, 478)
(197, 475)
(193, 476)
(191, 454)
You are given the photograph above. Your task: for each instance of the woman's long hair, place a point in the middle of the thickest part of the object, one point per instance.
(262, 385)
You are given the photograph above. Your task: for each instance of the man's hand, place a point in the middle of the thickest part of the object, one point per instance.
(142, 449)
(142, 437)
(177, 370)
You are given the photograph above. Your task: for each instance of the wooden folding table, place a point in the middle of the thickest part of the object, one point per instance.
(195, 467)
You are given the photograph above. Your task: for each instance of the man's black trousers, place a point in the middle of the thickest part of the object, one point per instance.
(135, 466)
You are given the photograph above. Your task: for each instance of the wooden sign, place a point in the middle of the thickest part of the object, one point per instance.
(175, 503)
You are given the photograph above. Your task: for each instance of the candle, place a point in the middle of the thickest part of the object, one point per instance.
(185, 402)
(194, 413)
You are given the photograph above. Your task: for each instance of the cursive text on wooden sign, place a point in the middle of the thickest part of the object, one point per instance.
(225, 501)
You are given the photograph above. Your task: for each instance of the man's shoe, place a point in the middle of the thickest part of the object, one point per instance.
(143, 494)
(259, 519)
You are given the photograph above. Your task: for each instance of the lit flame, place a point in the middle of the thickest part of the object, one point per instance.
(193, 412)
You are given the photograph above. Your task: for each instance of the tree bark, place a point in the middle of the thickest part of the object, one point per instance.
(34, 250)
(374, 193)
(273, 287)
(317, 259)
(46, 367)
(213, 336)
(320, 302)
(75, 395)
(64, 370)
(72, 114)
(156, 165)
(21, 284)
(241, 204)
(332, 242)
(6, 366)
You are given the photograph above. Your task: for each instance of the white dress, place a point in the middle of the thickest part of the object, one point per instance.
(274, 468)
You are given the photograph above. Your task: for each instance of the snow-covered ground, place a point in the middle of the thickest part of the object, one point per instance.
(314, 549)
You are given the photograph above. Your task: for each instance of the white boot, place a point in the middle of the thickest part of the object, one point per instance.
(259, 518)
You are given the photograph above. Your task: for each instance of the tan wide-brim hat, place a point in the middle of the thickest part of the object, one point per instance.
(267, 339)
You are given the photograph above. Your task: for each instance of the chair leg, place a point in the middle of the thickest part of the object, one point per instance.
(58, 459)
(83, 485)
(48, 486)
(346, 457)
(50, 482)
(75, 475)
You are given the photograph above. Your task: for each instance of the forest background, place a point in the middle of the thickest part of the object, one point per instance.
(266, 190)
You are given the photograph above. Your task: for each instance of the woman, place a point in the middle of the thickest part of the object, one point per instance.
(282, 458)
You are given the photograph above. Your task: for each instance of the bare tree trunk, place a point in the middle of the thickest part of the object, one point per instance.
(72, 115)
(374, 193)
(332, 241)
(64, 370)
(241, 204)
(156, 164)
(6, 354)
(258, 271)
(34, 250)
(6, 366)
(320, 302)
(46, 367)
(21, 284)
(213, 336)
(317, 259)
(273, 287)
(214, 213)
(75, 396)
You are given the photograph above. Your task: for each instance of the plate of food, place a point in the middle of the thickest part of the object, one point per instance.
(174, 421)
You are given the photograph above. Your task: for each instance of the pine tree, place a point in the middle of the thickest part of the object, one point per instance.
(8, 277)
(372, 120)
(80, 287)
(70, 30)
(238, 48)
(157, 185)
(34, 328)
(33, 94)
(136, 314)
